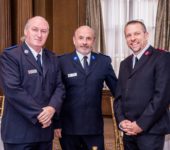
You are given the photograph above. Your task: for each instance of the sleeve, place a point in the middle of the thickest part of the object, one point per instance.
(117, 105)
(111, 79)
(59, 94)
(161, 97)
(14, 93)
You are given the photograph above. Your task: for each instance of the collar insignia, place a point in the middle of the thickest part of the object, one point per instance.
(93, 57)
(75, 58)
(26, 51)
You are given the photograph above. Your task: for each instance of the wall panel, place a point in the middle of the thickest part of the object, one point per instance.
(5, 24)
(21, 10)
(67, 16)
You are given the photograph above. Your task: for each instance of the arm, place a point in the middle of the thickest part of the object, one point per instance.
(56, 100)
(117, 105)
(59, 93)
(160, 100)
(125, 125)
(13, 90)
(111, 79)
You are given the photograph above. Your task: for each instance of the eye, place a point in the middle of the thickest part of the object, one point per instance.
(137, 33)
(128, 35)
(35, 29)
(80, 37)
(89, 38)
(44, 31)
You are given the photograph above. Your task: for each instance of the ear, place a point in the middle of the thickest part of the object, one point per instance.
(25, 32)
(147, 35)
(74, 40)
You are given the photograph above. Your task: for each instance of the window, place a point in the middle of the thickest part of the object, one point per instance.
(115, 15)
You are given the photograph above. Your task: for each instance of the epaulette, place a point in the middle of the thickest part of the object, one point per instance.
(162, 50)
(11, 47)
(61, 55)
(103, 54)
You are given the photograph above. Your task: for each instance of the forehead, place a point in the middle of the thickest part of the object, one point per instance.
(134, 27)
(38, 22)
(84, 31)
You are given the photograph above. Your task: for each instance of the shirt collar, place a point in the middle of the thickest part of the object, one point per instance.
(80, 56)
(33, 51)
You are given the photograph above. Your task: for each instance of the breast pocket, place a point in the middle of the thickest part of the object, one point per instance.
(72, 79)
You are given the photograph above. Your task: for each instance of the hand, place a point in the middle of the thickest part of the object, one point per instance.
(137, 129)
(126, 126)
(58, 133)
(46, 115)
(45, 125)
(132, 129)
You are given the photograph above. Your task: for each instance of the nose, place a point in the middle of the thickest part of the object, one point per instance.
(132, 38)
(84, 41)
(39, 33)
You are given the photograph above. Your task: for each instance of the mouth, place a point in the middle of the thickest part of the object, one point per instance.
(84, 47)
(134, 44)
(37, 39)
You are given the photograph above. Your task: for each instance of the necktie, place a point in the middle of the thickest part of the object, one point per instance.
(39, 61)
(85, 64)
(136, 61)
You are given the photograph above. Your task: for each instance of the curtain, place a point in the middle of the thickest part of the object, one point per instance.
(162, 38)
(115, 15)
(94, 19)
(162, 31)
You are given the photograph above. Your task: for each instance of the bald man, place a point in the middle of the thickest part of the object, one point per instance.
(33, 90)
(83, 74)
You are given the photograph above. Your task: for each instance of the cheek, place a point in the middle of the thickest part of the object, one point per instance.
(128, 42)
(90, 44)
(45, 38)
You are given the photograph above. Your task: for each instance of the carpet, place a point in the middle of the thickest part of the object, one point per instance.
(108, 136)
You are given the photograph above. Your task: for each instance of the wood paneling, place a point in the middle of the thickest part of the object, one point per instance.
(21, 11)
(106, 108)
(66, 18)
(5, 24)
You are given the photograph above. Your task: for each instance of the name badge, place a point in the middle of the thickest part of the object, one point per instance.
(70, 75)
(32, 71)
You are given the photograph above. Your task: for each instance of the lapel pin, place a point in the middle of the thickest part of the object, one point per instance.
(75, 58)
(147, 53)
(93, 57)
(26, 51)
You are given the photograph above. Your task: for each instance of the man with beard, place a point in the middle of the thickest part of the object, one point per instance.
(84, 73)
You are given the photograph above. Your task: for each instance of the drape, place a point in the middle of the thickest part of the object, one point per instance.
(162, 30)
(94, 19)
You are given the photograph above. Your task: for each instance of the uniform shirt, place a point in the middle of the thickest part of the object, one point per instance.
(81, 58)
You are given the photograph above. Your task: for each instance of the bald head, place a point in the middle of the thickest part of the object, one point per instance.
(33, 19)
(86, 29)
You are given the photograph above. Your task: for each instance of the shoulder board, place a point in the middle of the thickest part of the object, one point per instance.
(103, 54)
(61, 55)
(164, 50)
(11, 47)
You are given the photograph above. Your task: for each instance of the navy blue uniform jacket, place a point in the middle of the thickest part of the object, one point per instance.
(143, 93)
(27, 90)
(81, 113)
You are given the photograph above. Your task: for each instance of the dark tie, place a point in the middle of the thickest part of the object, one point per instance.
(136, 61)
(85, 64)
(39, 61)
